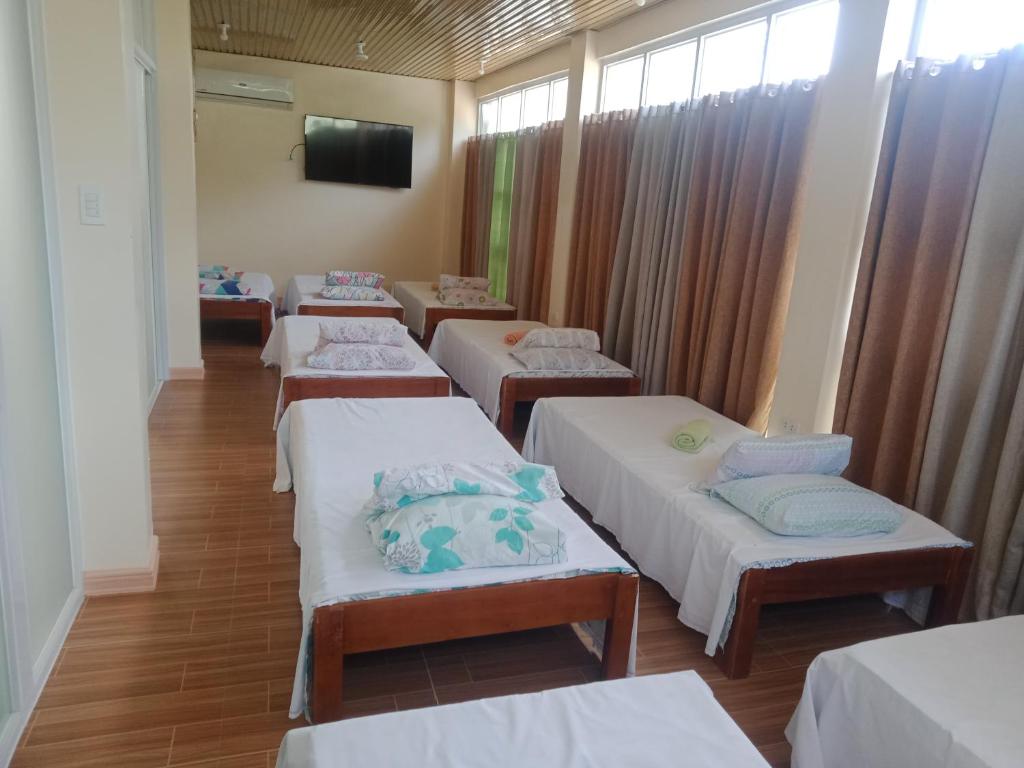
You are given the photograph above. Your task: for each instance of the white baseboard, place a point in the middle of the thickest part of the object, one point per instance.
(120, 581)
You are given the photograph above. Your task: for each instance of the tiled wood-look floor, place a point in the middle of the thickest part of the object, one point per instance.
(199, 672)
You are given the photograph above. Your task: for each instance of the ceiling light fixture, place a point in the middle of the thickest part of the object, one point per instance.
(361, 51)
(482, 62)
(224, 27)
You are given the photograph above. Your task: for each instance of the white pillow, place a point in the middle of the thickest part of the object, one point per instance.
(470, 283)
(561, 359)
(784, 455)
(564, 338)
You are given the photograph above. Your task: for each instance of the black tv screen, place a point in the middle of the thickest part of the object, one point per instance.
(358, 152)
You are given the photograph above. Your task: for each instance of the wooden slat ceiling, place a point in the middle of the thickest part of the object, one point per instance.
(441, 39)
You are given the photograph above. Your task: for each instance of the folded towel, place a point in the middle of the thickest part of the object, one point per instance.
(435, 287)
(691, 436)
(512, 338)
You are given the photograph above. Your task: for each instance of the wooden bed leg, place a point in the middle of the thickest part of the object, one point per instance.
(947, 597)
(618, 633)
(507, 408)
(328, 663)
(735, 658)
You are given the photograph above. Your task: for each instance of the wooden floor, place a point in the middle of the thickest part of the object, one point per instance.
(199, 672)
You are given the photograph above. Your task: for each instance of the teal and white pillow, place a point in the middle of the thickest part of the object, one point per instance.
(783, 455)
(811, 505)
(450, 532)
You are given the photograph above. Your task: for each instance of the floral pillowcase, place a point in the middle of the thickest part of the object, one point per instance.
(358, 331)
(360, 357)
(466, 297)
(470, 283)
(354, 279)
(352, 293)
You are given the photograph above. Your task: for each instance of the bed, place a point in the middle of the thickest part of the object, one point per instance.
(644, 722)
(423, 311)
(952, 696)
(302, 297)
(474, 354)
(258, 307)
(294, 337)
(613, 455)
(352, 604)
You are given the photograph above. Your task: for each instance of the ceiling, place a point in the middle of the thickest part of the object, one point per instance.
(441, 39)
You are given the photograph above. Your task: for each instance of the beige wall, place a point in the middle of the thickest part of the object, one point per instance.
(178, 181)
(257, 212)
(543, 64)
(463, 126)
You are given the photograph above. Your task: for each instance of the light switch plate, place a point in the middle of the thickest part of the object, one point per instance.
(90, 205)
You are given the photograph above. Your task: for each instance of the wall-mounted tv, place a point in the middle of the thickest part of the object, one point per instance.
(358, 152)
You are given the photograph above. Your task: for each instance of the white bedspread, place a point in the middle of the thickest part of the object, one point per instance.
(475, 355)
(613, 455)
(951, 696)
(305, 289)
(295, 336)
(640, 722)
(330, 449)
(416, 297)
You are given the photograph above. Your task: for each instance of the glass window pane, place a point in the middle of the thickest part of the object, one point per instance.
(489, 116)
(623, 82)
(733, 58)
(559, 97)
(954, 27)
(670, 74)
(509, 111)
(535, 105)
(800, 45)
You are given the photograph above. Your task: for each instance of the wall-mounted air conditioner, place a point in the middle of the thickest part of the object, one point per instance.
(221, 84)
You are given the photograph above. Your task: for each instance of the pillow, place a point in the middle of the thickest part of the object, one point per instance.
(446, 533)
(556, 359)
(356, 331)
(217, 272)
(360, 357)
(354, 279)
(352, 293)
(466, 297)
(811, 505)
(469, 283)
(396, 487)
(223, 288)
(784, 455)
(567, 338)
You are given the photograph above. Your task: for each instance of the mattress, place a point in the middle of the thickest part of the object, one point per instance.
(951, 696)
(474, 354)
(416, 297)
(328, 450)
(614, 456)
(640, 722)
(305, 289)
(295, 336)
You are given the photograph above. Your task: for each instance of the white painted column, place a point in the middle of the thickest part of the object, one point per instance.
(584, 77)
(871, 37)
(462, 116)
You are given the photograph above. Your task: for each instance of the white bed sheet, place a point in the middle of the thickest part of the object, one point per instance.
(416, 297)
(330, 449)
(475, 355)
(260, 286)
(614, 456)
(951, 696)
(640, 722)
(296, 336)
(305, 289)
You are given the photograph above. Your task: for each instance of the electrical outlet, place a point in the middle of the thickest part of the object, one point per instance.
(790, 426)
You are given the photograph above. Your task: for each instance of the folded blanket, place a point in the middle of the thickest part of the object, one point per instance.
(514, 337)
(360, 357)
(360, 331)
(561, 338)
(223, 288)
(692, 436)
(352, 293)
(395, 488)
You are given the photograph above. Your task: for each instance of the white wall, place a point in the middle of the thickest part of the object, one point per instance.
(543, 64)
(257, 212)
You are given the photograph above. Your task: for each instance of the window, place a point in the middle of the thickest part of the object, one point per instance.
(949, 28)
(524, 107)
(795, 42)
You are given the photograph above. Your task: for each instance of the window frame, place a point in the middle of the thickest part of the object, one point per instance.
(698, 33)
(521, 88)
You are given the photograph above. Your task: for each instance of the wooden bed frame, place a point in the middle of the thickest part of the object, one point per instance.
(434, 315)
(516, 389)
(311, 387)
(359, 311)
(258, 310)
(396, 622)
(942, 568)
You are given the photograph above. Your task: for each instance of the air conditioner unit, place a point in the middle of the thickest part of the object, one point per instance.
(221, 84)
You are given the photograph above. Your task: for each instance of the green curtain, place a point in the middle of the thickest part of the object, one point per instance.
(501, 210)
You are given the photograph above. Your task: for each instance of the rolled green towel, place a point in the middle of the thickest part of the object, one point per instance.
(691, 436)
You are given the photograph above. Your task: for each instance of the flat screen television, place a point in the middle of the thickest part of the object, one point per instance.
(358, 152)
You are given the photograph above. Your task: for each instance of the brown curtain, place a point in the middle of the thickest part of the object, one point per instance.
(936, 132)
(532, 229)
(742, 218)
(606, 144)
(477, 200)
